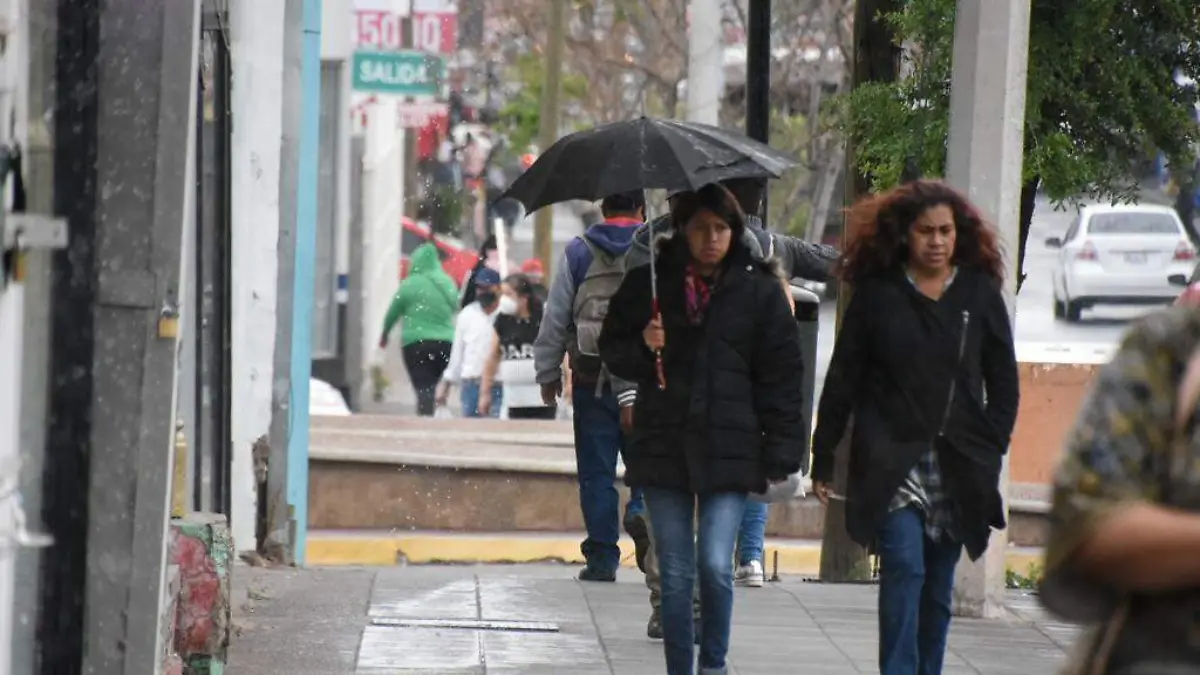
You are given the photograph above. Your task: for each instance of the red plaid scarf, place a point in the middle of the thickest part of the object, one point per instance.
(699, 292)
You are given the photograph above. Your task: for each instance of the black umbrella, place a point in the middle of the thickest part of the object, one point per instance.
(641, 154)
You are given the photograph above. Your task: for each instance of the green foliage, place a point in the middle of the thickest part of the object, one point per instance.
(1101, 94)
(786, 211)
(521, 114)
(444, 208)
(1031, 579)
(788, 203)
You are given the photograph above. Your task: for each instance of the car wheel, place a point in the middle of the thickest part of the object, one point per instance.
(1074, 311)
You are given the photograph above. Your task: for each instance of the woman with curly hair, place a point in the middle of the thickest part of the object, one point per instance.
(924, 362)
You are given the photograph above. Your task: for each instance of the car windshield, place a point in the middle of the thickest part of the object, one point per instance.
(1133, 222)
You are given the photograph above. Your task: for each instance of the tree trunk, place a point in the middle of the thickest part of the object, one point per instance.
(876, 59)
(1028, 201)
(827, 177)
(670, 100)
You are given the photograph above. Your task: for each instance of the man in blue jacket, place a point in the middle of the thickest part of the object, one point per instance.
(590, 272)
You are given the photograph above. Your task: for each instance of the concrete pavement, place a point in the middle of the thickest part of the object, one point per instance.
(319, 622)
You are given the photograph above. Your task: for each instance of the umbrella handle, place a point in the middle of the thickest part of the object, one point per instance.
(658, 367)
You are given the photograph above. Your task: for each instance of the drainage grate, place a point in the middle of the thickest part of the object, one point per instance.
(469, 624)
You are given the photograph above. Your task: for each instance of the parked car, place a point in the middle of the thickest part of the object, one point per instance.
(1119, 255)
(457, 259)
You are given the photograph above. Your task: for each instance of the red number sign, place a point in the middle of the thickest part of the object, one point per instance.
(382, 31)
(435, 32)
(432, 32)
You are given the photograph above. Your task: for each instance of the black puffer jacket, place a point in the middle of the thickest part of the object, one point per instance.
(730, 417)
(896, 354)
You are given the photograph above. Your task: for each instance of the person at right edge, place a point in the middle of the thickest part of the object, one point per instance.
(925, 364)
(1124, 540)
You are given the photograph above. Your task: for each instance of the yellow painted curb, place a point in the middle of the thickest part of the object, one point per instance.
(329, 549)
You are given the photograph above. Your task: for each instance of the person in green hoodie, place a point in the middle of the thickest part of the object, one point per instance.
(426, 303)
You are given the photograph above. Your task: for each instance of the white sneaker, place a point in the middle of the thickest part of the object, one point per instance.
(751, 574)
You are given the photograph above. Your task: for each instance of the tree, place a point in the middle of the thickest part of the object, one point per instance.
(630, 58)
(632, 54)
(1102, 96)
(520, 116)
(811, 40)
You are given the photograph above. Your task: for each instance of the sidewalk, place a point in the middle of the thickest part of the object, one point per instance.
(318, 622)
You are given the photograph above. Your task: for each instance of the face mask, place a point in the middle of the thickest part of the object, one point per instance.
(486, 298)
(508, 305)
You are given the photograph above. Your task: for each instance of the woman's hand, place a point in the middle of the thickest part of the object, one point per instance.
(823, 491)
(485, 401)
(653, 334)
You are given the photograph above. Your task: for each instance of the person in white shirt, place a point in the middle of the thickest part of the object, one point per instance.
(473, 341)
(511, 357)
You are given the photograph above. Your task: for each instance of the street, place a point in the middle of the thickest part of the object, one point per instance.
(537, 620)
(567, 225)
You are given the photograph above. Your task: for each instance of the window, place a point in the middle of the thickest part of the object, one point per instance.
(1133, 222)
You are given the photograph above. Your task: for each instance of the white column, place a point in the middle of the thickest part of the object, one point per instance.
(706, 63)
(12, 327)
(257, 62)
(383, 208)
(11, 330)
(987, 123)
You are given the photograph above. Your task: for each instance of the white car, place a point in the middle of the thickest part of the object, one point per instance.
(1119, 255)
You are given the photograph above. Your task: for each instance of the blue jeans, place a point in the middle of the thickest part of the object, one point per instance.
(680, 558)
(598, 442)
(916, 582)
(470, 398)
(752, 532)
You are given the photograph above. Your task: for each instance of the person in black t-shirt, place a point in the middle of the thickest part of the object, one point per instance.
(511, 361)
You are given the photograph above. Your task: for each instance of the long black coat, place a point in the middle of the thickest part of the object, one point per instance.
(892, 365)
(730, 417)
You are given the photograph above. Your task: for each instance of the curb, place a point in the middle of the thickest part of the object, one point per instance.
(796, 557)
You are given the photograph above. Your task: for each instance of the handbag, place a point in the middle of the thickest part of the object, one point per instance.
(785, 490)
(1093, 652)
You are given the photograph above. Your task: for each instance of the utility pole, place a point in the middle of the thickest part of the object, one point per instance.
(543, 233)
(876, 59)
(985, 160)
(123, 117)
(758, 79)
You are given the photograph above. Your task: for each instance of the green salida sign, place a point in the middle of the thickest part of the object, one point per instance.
(400, 73)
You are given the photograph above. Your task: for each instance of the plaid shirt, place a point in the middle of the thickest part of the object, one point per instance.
(923, 487)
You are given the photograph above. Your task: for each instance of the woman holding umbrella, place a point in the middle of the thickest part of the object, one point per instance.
(718, 419)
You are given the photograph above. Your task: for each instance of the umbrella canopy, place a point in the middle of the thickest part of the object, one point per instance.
(643, 153)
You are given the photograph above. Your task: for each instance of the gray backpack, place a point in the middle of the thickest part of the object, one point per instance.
(592, 295)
